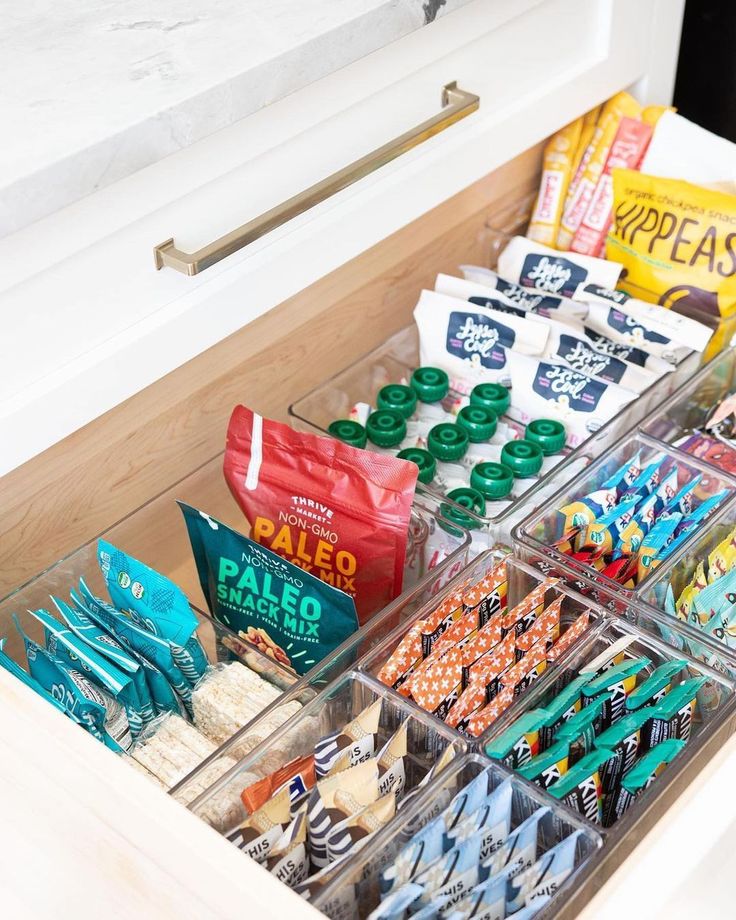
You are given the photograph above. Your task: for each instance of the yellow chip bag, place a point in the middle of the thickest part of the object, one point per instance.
(675, 240)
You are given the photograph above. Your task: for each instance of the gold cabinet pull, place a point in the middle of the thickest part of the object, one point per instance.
(456, 104)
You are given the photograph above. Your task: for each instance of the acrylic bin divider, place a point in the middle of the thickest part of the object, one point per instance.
(355, 892)
(155, 533)
(534, 537)
(689, 408)
(521, 579)
(713, 723)
(331, 709)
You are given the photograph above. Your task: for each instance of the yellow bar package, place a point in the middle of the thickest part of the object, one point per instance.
(595, 159)
(590, 120)
(676, 241)
(559, 152)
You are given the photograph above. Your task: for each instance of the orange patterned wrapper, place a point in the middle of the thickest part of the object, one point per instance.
(572, 634)
(487, 638)
(439, 620)
(438, 690)
(527, 670)
(521, 617)
(488, 596)
(457, 633)
(545, 628)
(404, 658)
(480, 721)
(483, 681)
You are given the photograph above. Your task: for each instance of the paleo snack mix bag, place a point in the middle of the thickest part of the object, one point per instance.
(338, 512)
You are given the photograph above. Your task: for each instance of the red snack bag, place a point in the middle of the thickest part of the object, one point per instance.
(338, 512)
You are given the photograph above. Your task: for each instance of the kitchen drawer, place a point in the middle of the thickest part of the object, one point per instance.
(94, 322)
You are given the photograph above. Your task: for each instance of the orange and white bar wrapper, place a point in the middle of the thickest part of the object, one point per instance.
(570, 635)
(521, 617)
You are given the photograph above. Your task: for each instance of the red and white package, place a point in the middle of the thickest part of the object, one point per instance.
(338, 512)
(627, 151)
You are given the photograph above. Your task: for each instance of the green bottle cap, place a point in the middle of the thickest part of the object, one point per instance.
(492, 396)
(492, 480)
(548, 433)
(447, 442)
(523, 457)
(397, 397)
(386, 428)
(430, 384)
(350, 432)
(479, 422)
(423, 459)
(469, 498)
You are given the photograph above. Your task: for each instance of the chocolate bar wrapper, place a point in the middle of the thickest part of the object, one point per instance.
(350, 835)
(350, 745)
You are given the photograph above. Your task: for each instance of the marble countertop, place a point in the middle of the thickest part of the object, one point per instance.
(94, 91)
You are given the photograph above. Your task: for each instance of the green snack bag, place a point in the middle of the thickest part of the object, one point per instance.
(623, 739)
(618, 681)
(155, 603)
(73, 652)
(548, 767)
(562, 707)
(656, 686)
(672, 717)
(163, 678)
(92, 708)
(642, 775)
(520, 742)
(579, 731)
(25, 678)
(108, 646)
(282, 609)
(580, 787)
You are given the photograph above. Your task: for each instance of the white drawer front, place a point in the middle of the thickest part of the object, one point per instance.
(92, 322)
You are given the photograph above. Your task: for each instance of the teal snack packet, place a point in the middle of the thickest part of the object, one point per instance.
(717, 597)
(520, 850)
(562, 707)
(108, 646)
(703, 511)
(580, 730)
(656, 686)
(666, 491)
(152, 653)
(493, 818)
(546, 768)
(580, 787)
(24, 677)
(617, 681)
(155, 603)
(604, 533)
(649, 553)
(623, 738)
(102, 716)
(75, 653)
(520, 741)
(643, 774)
(648, 479)
(266, 599)
(548, 873)
(722, 626)
(682, 502)
(673, 716)
(625, 476)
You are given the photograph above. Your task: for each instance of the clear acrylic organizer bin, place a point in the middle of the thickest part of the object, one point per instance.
(534, 537)
(156, 534)
(714, 722)
(522, 579)
(355, 892)
(221, 805)
(394, 361)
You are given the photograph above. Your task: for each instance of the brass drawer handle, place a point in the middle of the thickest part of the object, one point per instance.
(456, 104)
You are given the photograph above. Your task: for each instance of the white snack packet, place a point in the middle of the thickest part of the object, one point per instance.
(477, 293)
(620, 327)
(668, 323)
(535, 301)
(532, 264)
(541, 389)
(470, 342)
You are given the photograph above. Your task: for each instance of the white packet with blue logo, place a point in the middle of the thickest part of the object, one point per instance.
(165, 682)
(561, 308)
(548, 873)
(620, 327)
(520, 850)
(535, 265)
(493, 818)
(397, 904)
(75, 653)
(465, 803)
(102, 716)
(486, 901)
(543, 389)
(414, 857)
(156, 603)
(453, 875)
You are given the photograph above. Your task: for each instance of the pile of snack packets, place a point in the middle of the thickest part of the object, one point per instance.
(476, 860)
(635, 519)
(605, 735)
(472, 656)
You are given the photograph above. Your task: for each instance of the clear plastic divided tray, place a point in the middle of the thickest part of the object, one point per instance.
(156, 534)
(394, 361)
